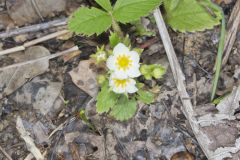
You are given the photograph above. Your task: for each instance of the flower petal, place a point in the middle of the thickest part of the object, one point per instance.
(119, 74)
(131, 88)
(135, 56)
(111, 63)
(134, 72)
(119, 89)
(120, 49)
(111, 82)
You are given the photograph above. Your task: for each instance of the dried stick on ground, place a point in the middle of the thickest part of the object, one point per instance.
(73, 49)
(209, 120)
(34, 28)
(29, 141)
(179, 78)
(233, 25)
(33, 42)
(5, 153)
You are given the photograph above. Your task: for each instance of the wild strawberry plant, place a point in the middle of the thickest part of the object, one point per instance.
(120, 88)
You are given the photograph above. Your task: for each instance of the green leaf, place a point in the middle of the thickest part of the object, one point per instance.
(105, 4)
(145, 97)
(124, 109)
(191, 15)
(130, 10)
(114, 39)
(216, 101)
(84, 118)
(89, 21)
(171, 4)
(218, 64)
(106, 99)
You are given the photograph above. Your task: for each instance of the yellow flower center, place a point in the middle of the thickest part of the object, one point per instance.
(120, 82)
(123, 62)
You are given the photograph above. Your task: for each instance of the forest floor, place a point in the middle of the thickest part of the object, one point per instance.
(43, 96)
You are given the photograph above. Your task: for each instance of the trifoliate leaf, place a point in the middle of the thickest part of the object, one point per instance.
(145, 96)
(106, 99)
(171, 4)
(130, 10)
(89, 21)
(191, 15)
(105, 4)
(124, 109)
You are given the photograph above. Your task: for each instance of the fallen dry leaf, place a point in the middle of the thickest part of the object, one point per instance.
(40, 132)
(149, 132)
(85, 77)
(40, 93)
(5, 21)
(29, 11)
(13, 78)
(229, 104)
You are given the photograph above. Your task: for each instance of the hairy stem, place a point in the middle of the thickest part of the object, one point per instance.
(117, 28)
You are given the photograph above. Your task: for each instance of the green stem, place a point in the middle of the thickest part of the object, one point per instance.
(219, 57)
(117, 28)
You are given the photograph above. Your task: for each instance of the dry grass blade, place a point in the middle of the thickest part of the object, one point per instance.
(219, 57)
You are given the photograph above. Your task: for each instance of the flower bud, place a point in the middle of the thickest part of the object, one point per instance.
(101, 79)
(100, 55)
(158, 72)
(144, 69)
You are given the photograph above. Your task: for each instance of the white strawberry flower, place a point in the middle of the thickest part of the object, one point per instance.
(124, 63)
(122, 85)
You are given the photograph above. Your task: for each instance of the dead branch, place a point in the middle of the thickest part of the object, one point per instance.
(33, 42)
(34, 28)
(233, 25)
(179, 79)
(197, 123)
(29, 141)
(5, 153)
(73, 49)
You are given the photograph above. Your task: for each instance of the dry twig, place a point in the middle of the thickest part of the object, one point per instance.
(197, 124)
(5, 153)
(34, 28)
(73, 49)
(29, 141)
(179, 79)
(33, 42)
(233, 25)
